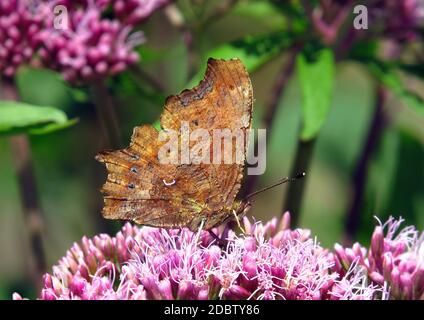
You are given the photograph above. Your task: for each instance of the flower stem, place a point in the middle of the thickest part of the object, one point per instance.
(220, 12)
(277, 92)
(106, 114)
(361, 171)
(111, 132)
(295, 191)
(177, 19)
(328, 30)
(22, 159)
(147, 78)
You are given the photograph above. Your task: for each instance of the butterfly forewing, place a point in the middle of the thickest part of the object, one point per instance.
(141, 188)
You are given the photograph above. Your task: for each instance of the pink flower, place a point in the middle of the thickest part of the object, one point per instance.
(395, 259)
(83, 40)
(89, 46)
(133, 12)
(85, 46)
(270, 262)
(90, 269)
(401, 19)
(18, 27)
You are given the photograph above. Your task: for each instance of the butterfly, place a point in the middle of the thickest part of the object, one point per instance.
(141, 188)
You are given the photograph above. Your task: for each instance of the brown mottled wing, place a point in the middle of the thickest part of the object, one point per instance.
(135, 187)
(223, 99)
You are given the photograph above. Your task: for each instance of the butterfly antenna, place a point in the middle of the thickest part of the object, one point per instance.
(281, 181)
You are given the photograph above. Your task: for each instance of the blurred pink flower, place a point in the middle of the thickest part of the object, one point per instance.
(18, 27)
(73, 4)
(270, 262)
(82, 42)
(88, 46)
(133, 12)
(395, 259)
(401, 19)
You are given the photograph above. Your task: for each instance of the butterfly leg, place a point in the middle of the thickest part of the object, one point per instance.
(221, 242)
(238, 222)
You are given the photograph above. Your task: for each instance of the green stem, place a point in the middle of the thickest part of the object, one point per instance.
(111, 132)
(295, 192)
(145, 77)
(359, 179)
(22, 160)
(278, 90)
(177, 19)
(106, 114)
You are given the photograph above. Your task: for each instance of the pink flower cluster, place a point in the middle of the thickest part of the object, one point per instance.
(402, 18)
(270, 261)
(82, 42)
(89, 46)
(133, 12)
(18, 29)
(395, 259)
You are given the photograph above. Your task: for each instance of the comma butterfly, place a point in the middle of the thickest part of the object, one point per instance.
(141, 188)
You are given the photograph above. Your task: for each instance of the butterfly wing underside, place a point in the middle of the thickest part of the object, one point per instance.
(142, 189)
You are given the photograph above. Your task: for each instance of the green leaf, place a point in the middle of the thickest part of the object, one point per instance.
(228, 51)
(43, 87)
(388, 76)
(253, 51)
(53, 127)
(17, 117)
(157, 125)
(316, 82)
(412, 100)
(258, 10)
(151, 55)
(290, 8)
(413, 69)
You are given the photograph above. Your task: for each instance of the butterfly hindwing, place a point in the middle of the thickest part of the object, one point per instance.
(140, 188)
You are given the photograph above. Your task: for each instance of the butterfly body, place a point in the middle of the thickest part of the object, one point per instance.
(140, 187)
(210, 219)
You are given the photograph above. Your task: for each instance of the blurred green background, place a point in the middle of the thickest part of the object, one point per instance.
(69, 177)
